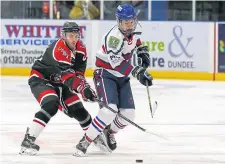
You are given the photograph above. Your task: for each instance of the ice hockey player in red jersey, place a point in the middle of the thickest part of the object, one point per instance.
(55, 80)
(120, 55)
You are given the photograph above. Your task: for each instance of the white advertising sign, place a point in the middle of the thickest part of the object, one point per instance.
(175, 46)
(22, 41)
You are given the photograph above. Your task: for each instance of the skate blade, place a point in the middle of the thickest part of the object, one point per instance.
(78, 153)
(102, 147)
(27, 151)
(105, 147)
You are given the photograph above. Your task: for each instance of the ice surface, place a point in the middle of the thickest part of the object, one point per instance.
(191, 114)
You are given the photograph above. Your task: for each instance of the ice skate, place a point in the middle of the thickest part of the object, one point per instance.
(109, 139)
(81, 147)
(100, 142)
(28, 147)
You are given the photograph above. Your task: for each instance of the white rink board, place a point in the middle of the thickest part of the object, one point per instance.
(190, 114)
(173, 46)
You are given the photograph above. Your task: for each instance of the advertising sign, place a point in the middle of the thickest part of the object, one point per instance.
(174, 46)
(178, 46)
(22, 41)
(221, 48)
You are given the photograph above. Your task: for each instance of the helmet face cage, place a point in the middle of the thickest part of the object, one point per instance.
(127, 32)
(126, 12)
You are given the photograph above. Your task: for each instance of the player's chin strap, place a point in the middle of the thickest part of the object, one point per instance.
(128, 120)
(155, 105)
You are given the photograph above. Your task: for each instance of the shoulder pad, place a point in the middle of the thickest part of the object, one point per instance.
(61, 53)
(114, 40)
(80, 46)
(81, 49)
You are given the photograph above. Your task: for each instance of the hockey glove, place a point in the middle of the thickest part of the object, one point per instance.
(142, 54)
(56, 78)
(142, 75)
(88, 94)
(82, 87)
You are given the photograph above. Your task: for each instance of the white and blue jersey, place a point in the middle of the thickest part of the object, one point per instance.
(116, 52)
(114, 64)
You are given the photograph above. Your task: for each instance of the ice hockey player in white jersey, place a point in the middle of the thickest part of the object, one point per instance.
(121, 55)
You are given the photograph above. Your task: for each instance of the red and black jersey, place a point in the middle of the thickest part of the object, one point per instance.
(58, 58)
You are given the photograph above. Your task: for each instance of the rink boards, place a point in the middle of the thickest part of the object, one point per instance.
(155, 74)
(179, 50)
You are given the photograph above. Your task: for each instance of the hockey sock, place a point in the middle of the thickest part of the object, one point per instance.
(104, 118)
(38, 124)
(85, 123)
(116, 125)
(119, 123)
(42, 117)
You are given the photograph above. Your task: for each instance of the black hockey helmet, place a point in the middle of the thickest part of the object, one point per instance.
(70, 27)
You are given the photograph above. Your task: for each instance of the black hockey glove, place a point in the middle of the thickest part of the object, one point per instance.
(143, 56)
(56, 78)
(142, 75)
(88, 94)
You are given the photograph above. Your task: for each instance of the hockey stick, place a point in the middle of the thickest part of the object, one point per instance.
(128, 120)
(155, 105)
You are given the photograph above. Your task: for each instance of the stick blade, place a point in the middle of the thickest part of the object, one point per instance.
(157, 135)
(154, 107)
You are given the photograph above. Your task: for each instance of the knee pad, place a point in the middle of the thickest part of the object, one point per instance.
(80, 114)
(48, 111)
(128, 113)
(50, 108)
(107, 115)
